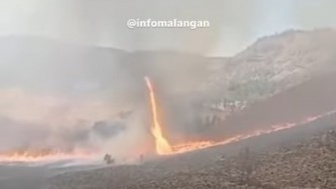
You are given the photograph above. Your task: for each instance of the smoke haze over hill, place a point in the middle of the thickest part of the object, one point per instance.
(61, 90)
(234, 24)
(79, 88)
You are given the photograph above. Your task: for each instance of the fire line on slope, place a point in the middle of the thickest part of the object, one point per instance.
(163, 147)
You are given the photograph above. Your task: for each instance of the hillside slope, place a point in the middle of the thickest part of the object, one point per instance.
(273, 64)
(311, 98)
(39, 64)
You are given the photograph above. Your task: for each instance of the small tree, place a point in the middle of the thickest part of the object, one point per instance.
(108, 159)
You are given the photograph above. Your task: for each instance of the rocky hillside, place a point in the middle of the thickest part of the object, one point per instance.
(273, 64)
(278, 79)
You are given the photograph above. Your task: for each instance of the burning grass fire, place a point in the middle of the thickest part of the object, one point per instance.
(161, 143)
(164, 148)
(42, 155)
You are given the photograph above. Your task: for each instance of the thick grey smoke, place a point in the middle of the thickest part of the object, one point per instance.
(69, 90)
(69, 126)
(312, 14)
(103, 22)
(234, 23)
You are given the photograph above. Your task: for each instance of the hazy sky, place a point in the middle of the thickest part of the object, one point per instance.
(234, 23)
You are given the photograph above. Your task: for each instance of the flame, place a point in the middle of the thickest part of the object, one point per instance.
(36, 155)
(162, 146)
(191, 146)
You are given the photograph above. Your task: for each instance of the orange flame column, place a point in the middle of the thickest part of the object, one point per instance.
(162, 146)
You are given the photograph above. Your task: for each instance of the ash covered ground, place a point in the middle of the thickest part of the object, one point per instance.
(301, 157)
(34, 175)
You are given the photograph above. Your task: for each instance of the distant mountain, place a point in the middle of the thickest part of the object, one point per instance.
(48, 65)
(43, 64)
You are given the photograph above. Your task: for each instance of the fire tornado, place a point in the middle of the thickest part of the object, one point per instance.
(162, 146)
